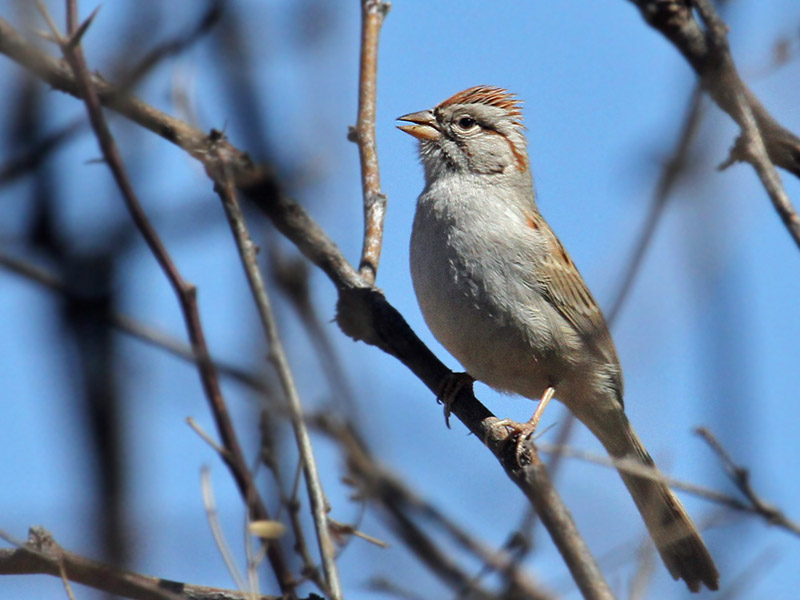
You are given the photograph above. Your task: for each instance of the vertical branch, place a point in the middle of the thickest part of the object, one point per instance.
(372, 14)
(185, 291)
(319, 509)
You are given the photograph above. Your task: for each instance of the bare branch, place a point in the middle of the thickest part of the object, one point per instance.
(186, 292)
(708, 53)
(316, 495)
(41, 554)
(401, 505)
(134, 328)
(765, 510)
(740, 477)
(291, 275)
(212, 516)
(362, 312)
(373, 13)
(207, 21)
(751, 146)
(269, 457)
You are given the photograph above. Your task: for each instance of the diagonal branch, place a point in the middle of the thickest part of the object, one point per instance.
(751, 144)
(134, 328)
(740, 476)
(763, 141)
(403, 508)
(208, 20)
(41, 554)
(316, 495)
(755, 505)
(363, 312)
(185, 291)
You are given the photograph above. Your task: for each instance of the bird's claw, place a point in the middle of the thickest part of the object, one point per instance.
(523, 431)
(449, 388)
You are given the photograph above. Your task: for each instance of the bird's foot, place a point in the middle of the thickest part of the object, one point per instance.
(449, 388)
(523, 431)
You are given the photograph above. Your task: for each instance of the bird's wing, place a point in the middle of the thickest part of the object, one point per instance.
(562, 286)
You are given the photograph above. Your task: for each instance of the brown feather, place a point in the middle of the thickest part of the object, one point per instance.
(564, 288)
(490, 96)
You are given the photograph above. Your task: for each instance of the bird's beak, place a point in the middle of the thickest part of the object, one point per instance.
(424, 125)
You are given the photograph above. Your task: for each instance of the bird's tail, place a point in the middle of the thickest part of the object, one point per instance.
(675, 535)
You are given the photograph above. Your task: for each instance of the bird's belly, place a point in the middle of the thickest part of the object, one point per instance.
(488, 339)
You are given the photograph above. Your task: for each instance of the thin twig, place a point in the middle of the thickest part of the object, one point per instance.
(206, 438)
(740, 477)
(373, 13)
(62, 571)
(708, 52)
(362, 312)
(348, 529)
(292, 277)
(134, 328)
(185, 291)
(316, 495)
(180, 43)
(402, 507)
(212, 516)
(705, 493)
(41, 554)
(750, 146)
(268, 457)
(418, 540)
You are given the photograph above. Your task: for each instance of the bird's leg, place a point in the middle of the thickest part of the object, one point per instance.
(449, 388)
(523, 431)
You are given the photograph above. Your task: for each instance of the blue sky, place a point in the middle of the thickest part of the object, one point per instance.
(709, 334)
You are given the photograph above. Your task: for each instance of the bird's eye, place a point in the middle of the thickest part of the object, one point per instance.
(466, 123)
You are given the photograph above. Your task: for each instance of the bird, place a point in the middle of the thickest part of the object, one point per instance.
(499, 291)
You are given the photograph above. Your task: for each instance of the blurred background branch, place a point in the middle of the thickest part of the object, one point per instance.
(98, 422)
